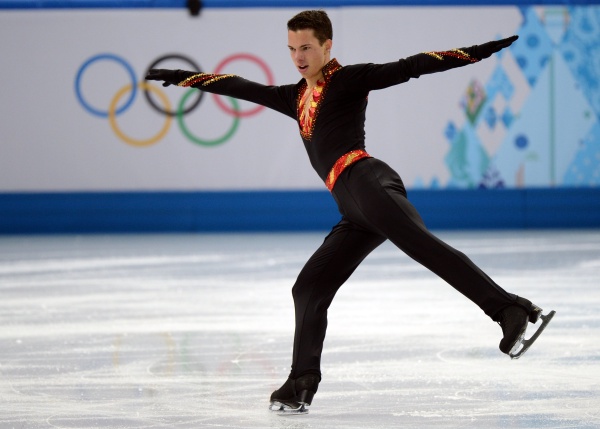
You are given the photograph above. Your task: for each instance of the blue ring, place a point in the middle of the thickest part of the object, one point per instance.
(93, 110)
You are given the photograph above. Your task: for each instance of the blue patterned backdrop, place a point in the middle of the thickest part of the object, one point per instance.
(558, 90)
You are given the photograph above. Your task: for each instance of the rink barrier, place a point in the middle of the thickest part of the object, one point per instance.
(273, 211)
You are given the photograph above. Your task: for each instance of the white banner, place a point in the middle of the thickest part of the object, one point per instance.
(78, 116)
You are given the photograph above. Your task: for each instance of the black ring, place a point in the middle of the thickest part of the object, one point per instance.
(195, 67)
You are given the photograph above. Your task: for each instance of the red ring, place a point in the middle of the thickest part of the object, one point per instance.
(261, 64)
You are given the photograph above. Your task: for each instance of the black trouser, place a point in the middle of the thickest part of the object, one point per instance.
(372, 200)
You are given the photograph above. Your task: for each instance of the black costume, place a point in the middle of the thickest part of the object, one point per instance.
(370, 195)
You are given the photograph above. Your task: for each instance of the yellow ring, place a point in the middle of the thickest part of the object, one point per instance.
(112, 116)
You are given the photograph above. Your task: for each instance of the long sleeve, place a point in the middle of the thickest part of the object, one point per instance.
(378, 76)
(438, 61)
(279, 98)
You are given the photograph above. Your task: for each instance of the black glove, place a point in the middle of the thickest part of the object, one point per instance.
(169, 77)
(489, 48)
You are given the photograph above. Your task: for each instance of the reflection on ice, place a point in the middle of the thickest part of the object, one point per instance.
(191, 331)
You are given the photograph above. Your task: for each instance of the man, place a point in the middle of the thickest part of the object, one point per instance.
(329, 105)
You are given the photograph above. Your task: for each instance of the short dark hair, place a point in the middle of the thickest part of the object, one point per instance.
(316, 20)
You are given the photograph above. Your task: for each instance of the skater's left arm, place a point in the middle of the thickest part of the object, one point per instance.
(378, 76)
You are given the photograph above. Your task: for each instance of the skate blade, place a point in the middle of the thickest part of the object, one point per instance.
(522, 345)
(285, 410)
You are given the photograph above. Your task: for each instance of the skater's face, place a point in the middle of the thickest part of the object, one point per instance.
(309, 56)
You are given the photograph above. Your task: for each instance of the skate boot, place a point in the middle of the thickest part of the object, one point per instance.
(295, 395)
(513, 321)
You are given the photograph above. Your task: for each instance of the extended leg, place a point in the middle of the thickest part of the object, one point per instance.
(373, 194)
(513, 313)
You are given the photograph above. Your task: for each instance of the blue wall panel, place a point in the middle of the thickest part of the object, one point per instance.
(41, 213)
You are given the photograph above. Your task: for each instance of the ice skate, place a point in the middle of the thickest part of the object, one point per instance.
(296, 395)
(285, 409)
(513, 321)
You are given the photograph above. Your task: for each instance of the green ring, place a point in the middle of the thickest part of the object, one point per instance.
(193, 138)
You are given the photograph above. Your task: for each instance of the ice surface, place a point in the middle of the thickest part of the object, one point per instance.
(194, 331)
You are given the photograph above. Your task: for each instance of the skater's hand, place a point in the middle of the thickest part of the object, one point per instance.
(489, 48)
(169, 77)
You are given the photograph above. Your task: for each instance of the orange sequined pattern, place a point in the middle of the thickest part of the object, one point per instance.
(341, 164)
(308, 117)
(204, 79)
(456, 53)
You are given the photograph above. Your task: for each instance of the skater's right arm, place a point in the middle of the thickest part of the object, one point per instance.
(279, 98)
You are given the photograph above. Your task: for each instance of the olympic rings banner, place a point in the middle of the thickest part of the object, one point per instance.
(77, 114)
(81, 117)
(129, 92)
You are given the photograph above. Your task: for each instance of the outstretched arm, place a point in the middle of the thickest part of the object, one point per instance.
(279, 98)
(378, 76)
(432, 62)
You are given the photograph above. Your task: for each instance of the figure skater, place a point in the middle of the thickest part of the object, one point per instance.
(329, 104)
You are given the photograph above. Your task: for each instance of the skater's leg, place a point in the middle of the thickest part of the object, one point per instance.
(381, 202)
(327, 269)
(513, 313)
(450, 264)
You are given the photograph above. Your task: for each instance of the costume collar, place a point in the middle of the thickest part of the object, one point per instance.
(330, 68)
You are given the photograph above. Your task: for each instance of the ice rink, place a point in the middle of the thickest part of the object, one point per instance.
(195, 331)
